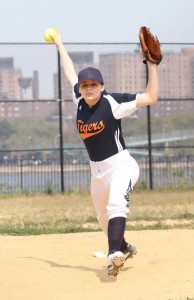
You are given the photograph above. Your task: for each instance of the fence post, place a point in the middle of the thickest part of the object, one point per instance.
(21, 175)
(60, 123)
(149, 139)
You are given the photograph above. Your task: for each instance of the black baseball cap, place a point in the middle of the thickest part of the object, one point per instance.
(90, 74)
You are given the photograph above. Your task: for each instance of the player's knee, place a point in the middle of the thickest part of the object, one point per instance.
(114, 212)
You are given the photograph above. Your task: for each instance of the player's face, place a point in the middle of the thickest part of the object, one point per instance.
(91, 91)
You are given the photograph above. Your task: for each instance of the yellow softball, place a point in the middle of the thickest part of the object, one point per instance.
(50, 32)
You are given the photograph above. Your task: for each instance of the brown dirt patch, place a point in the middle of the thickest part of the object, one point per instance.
(57, 267)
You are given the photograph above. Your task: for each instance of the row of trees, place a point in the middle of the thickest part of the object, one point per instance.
(45, 134)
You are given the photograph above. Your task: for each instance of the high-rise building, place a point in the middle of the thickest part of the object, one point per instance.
(13, 86)
(175, 82)
(124, 72)
(9, 87)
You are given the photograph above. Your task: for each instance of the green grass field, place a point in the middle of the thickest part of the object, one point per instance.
(74, 212)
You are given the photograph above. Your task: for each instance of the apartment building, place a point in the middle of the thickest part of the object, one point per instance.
(124, 72)
(16, 90)
(9, 78)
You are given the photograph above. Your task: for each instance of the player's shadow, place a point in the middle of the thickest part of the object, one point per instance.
(101, 274)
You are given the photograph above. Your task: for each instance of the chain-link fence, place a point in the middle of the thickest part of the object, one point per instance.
(40, 149)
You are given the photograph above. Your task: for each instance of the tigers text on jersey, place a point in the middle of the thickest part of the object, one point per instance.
(100, 125)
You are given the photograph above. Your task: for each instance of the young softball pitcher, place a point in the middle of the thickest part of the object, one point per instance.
(114, 172)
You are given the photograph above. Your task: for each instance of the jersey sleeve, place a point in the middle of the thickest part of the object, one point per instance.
(122, 105)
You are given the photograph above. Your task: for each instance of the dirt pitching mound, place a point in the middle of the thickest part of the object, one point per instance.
(62, 267)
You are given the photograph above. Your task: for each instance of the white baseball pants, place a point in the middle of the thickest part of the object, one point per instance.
(111, 183)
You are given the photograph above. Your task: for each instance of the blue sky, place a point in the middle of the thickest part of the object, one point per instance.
(96, 21)
(24, 21)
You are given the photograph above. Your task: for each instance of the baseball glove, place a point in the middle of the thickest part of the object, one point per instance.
(150, 46)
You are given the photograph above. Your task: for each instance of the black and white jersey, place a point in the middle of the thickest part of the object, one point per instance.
(100, 125)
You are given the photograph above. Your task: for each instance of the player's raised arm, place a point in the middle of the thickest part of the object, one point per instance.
(150, 96)
(67, 63)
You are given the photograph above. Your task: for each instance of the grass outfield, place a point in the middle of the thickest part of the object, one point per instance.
(74, 212)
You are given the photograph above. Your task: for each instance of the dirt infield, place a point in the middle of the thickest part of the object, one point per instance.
(57, 267)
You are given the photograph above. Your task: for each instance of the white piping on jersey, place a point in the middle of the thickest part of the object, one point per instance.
(121, 110)
(119, 146)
